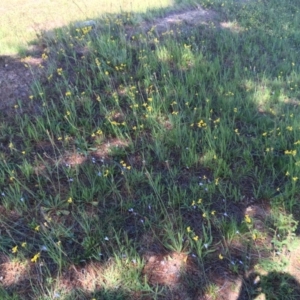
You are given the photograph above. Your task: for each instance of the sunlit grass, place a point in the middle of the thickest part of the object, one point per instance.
(21, 20)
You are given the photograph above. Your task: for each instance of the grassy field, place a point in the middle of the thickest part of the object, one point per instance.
(157, 164)
(21, 20)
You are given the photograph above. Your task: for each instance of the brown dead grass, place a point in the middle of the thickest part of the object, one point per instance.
(11, 272)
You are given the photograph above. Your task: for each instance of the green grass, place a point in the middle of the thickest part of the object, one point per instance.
(21, 20)
(143, 144)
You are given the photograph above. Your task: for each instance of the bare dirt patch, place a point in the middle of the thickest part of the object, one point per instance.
(16, 78)
(88, 278)
(192, 17)
(11, 272)
(165, 269)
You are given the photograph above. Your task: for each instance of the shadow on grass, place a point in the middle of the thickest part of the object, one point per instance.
(16, 82)
(240, 187)
(76, 294)
(274, 285)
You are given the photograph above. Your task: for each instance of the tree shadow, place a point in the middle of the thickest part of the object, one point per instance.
(274, 285)
(228, 209)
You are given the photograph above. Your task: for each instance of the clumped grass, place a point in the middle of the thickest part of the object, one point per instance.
(144, 143)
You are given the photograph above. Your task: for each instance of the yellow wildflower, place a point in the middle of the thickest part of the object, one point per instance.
(14, 249)
(247, 219)
(59, 71)
(44, 56)
(36, 257)
(195, 238)
(201, 123)
(290, 152)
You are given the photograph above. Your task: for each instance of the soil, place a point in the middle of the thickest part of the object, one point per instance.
(189, 18)
(16, 78)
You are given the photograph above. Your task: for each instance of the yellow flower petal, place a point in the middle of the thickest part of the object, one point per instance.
(36, 257)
